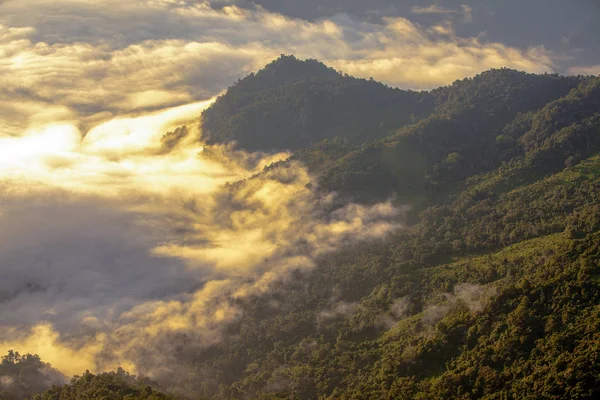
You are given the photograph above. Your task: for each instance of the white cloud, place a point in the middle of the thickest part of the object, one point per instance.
(431, 9)
(467, 13)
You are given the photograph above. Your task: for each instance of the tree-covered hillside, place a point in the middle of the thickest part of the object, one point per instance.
(479, 124)
(291, 104)
(117, 385)
(492, 290)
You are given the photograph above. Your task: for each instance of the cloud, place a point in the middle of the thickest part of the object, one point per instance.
(70, 81)
(340, 309)
(404, 54)
(399, 310)
(434, 9)
(473, 296)
(585, 70)
(431, 9)
(467, 13)
(43, 340)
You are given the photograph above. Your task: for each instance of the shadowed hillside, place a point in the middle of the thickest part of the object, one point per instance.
(291, 104)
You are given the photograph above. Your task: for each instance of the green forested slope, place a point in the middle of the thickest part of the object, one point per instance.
(479, 124)
(422, 316)
(493, 291)
(273, 110)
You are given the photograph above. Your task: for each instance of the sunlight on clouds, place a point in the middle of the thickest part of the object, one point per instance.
(45, 342)
(412, 57)
(33, 149)
(121, 154)
(153, 98)
(126, 135)
(432, 9)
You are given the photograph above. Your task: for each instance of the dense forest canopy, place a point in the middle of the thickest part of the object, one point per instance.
(492, 291)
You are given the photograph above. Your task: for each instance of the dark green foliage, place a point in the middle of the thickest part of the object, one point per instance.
(478, 125)
(308, 103)
(376, 171)
(23, 376)
(108, 386)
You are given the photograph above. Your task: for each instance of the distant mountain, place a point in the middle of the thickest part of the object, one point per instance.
(291, 104)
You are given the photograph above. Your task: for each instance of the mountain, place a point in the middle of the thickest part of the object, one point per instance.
(478, 125)
(492, 290)
(291, 104)
(492, 293)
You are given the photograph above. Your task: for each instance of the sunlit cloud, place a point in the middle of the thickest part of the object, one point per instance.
(403, 52)
(467, 13)
(44, 341)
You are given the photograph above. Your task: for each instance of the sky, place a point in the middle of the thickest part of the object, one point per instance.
(110, 241)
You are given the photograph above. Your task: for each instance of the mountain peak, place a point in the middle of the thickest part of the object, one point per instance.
(285, 70)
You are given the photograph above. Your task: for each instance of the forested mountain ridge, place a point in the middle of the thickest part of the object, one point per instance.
(474, 129)
(492, 292)
(448, 134)
(279, 110)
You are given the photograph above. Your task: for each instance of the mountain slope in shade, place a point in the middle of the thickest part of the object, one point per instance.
(479, 124)
(291, 103)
